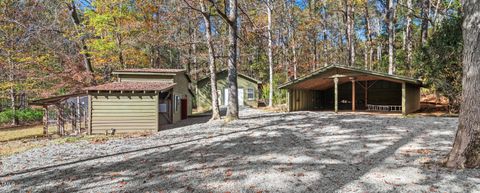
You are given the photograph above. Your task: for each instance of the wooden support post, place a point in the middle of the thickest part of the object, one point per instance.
(335, 81)
(353, 94)
(60, 120)
(72, 117)
(289, 100)
(77, 120)
(404, 98)
(85, 120)
(366, 93)
(45, 120)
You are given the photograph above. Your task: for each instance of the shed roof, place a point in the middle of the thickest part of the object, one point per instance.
(310, 80)
(238, 73)
(151, 70)
(132, 86)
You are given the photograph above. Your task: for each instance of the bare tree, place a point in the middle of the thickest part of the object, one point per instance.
(87, 61)
(466, 146)
(424, 27)
(391, 37)
(408, 34)
(231, 20)
(270, 52)
(368, 34)
(211, 61)
(206, 15)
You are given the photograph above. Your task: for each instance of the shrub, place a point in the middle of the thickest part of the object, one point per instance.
(23, 116)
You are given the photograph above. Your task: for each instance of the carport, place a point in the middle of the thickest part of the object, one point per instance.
(347, 88)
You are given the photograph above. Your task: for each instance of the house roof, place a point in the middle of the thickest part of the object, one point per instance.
(348, 71)
(153, 71)
(132, 86)
(239, 74)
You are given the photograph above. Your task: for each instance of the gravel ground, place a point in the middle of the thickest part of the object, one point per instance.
(270, 152)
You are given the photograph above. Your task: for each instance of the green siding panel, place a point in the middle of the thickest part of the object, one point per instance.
(204, 94)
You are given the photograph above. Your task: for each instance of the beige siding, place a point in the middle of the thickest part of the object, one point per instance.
(181, 89)
(412, 102)
(124, 112)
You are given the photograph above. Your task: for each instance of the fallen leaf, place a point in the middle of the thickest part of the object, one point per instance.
(229, 172)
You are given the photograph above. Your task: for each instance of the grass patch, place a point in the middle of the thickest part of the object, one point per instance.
(25, 132)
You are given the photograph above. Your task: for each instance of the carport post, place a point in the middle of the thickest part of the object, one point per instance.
(335, 81)
(353, 93)
(289, 100)
(404, 102)
(45, 120)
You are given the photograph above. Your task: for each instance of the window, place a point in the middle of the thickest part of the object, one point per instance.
(250, 94)
(177, 102)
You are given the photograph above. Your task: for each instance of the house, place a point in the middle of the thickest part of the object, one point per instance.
(248, 91)
(347, 88)
(140, 100)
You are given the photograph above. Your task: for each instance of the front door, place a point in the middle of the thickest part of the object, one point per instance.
(240, 97)
(184, 113)
(225, 97)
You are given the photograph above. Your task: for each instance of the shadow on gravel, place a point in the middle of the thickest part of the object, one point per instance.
(331, 150)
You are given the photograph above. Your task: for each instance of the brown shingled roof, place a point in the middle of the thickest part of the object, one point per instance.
(132, 86)
(152, 70)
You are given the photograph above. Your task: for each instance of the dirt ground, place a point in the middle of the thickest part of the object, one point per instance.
(262, 152)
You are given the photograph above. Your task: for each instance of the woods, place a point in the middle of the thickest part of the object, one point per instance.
(58, 47)
(276, 41)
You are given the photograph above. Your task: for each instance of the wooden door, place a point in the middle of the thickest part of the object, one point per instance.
(184, 112)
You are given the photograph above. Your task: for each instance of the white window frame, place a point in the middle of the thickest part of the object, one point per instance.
(248, 94)
(177, 102)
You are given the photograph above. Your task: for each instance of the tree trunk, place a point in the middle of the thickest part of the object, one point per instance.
(435, 15)
(270, 53)
(408, 34)
(194, 52)
(424, 27)
(13, 106)
(294, 53)
(232, 109)
(368, 34)
(352, 33)
(466, 146)
(211, 62)
(11, 78)
(87, 62)
(348, 32)
(325, 36)
(391, 37)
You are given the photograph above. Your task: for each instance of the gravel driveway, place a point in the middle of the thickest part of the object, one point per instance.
(269, 152)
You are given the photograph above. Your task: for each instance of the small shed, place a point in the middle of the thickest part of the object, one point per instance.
(140, 100)
(248, 91)
(338, 87)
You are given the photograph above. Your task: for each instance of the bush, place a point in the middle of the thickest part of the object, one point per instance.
(23, 116)
(441, 61)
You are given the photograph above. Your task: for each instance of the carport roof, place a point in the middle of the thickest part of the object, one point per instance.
(55, 99)
(346, 71)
